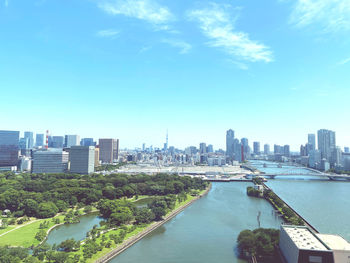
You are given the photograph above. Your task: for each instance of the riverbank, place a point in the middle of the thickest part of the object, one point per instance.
(105, 256)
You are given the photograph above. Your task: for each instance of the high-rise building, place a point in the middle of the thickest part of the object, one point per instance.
(39, 142)
(346, 149)
(87, 142)
(311, 140)
(303, 151)
(315, 159)
(277, 149)
(286, 150)
(57, 142)
(97, 157)
(9, 150)
(30, 137)
(266, 149)
(326, 143)
(256, 148)
(246, 148)
(71, 140)
(109, 149)
(336, 158)
(210, 148)
(203, 147)
(230, 137)
(50, 161)
(24, 143)
(82, 159)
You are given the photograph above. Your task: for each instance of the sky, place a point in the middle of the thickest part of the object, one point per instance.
(272, 70)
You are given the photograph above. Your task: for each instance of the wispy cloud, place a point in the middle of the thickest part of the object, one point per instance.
(147, 10)
(345, 61)
(331, 15)
(111, 33)
(182, 45)
(217, 24)
(6, 3)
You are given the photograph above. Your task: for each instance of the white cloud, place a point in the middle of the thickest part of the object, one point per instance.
(111, 33)
(182, 45)
(345, 61)
(332, 15)
(217, 23)
(147, 10)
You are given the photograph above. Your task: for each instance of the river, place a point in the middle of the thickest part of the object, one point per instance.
(206, 231)
(323, 203)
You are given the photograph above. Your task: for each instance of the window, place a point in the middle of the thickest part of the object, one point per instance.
(315, 259)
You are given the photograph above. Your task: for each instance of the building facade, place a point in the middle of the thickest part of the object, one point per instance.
(82, 159)
(9, 148)
(109, 150)
(50, 161)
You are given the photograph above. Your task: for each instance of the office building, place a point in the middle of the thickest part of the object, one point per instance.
(266, 149)
(30, 137)
(39, 142)
(23, 144)
(311, 141)
(277, 149)
(202, 148)
(315, 159)
(9, 150)
(210, 148)
(71, 140)
(299, 244)
(57, 142)
(97, 157)
(230, 137)
(87, 142)
(82, 159)
(286, 150)
(256, 148)
(109, 149)
(336, 158)
(326, 143)
(50, 161)
(346, 149)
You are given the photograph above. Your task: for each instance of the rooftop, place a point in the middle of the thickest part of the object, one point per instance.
(334, 242)
(304, 238)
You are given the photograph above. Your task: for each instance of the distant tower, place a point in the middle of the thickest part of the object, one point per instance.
(167, 142)
(47, 139)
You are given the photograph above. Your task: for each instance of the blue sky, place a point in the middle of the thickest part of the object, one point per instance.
(271, 70)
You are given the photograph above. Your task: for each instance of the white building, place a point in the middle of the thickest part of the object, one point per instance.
(71, 140)
(299, 244)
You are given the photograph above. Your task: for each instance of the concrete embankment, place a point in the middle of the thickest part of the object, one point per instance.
(304, 220)
(132, 240)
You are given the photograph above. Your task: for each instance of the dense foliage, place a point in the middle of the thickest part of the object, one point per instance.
(43, 195)
(251, 191)
(260, 242)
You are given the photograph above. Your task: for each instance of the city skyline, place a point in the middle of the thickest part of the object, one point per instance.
(243, 139)
(143, 66)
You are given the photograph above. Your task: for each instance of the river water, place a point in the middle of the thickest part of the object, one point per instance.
(323, 203)
(206, 231)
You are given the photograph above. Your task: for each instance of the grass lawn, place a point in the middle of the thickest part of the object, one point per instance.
(25, 236)
(6, 229)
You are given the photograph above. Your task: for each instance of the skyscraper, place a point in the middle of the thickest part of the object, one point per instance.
(9, 148)
(57, 141)
(311, 140)
(82, 159)
(326, 143)
(71, 140)
(210, 148)
(87, 142)
(266, 149)
(286, 150)
(39, 142)
(202, 147)
(256, 147)
(109, 149)
(230, 137)
(30, 137)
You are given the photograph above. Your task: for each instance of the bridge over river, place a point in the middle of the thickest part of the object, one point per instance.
(273, 170)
